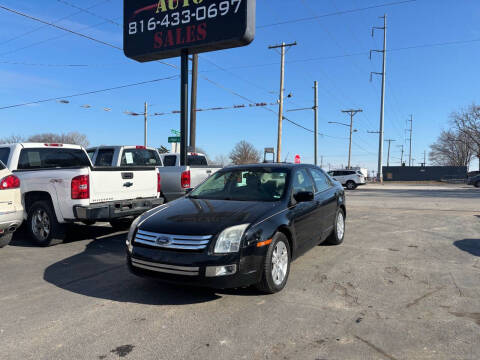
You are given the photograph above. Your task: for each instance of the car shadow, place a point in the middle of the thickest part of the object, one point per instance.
(100, 271)
(471, 246)
(75, 232)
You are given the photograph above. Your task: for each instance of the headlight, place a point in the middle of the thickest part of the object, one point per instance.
(229, 239)
(133, 227)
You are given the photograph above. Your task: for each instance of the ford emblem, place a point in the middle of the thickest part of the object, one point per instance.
(163, 240)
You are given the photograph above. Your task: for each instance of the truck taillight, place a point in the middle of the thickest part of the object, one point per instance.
(186, 179)
(159, 183)
(9, 182)
(81, 187)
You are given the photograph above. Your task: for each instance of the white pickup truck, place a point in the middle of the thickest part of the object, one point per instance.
(176, 179)
(59, 185)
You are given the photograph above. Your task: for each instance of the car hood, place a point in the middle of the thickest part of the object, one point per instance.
(189, 216)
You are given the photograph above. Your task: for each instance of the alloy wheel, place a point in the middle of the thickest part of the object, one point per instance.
(41, 224)
(279, 263)
(340, 225)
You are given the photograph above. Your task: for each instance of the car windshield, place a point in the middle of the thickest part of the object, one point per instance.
(258, 184)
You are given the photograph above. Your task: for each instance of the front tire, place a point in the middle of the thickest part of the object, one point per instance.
(5, 240)
(338, 234)
(43, 226)
(351, 185)
(276, 266)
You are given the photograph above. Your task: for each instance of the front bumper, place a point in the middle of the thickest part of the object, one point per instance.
(189, 268)
(115, 209)
(11, 219)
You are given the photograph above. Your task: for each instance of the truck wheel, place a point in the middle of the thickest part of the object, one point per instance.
(121, 224)
(477, 184)
(276, 266)
(351, 185)
(5, 240)
(43, 226)
(338, 234)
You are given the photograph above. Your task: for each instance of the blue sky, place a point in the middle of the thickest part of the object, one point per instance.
(428, 82)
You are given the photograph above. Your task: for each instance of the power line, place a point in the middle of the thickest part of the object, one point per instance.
(57, 20)
(58, 27)
(336, 13)
(89, 92)
(89, 12)
(57, 65)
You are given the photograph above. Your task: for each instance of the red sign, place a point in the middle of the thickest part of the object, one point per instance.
(297, 159)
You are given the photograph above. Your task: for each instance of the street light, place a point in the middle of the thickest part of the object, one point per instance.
(351, 132)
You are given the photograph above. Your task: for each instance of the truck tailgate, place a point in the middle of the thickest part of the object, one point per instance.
(200, 173)
(111, 184)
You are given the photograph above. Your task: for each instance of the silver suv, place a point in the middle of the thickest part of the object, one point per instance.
(351, 179)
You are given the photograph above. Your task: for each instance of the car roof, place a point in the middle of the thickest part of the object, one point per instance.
(288, 166)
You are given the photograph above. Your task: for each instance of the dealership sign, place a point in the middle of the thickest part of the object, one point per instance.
(162, 29)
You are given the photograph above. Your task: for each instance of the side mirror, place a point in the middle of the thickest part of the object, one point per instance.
(304, 196)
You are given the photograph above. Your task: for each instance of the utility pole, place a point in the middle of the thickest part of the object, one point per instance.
(145, 117)
(193, 110)
(352, 113)
(382, 105)
(315, 109)
(410, 140)
(425, 158)
(280, 100)
(401, 157)
(389, 144)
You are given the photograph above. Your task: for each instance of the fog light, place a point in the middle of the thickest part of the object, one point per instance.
(213, 271)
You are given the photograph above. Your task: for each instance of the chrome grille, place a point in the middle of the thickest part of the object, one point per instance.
(169, 241)
(165, 268)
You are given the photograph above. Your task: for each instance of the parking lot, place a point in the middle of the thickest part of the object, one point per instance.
(404, 285)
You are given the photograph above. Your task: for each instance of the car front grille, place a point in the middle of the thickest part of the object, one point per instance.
(165, 268)
(169, 241)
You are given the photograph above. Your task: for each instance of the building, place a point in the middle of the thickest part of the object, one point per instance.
(424, 173)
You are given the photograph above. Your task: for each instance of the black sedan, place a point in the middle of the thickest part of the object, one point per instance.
(242, 226)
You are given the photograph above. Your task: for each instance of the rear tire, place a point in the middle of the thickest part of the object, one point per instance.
(121, 224)
(351, 185)
(43, 226)
(276, 267)
(5, 240)
(338, 234)
(477, 184)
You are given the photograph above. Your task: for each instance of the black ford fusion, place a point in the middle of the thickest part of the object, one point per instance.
(242, 226)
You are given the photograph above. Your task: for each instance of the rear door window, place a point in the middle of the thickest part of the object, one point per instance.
(52, 158)
(140, 157)
(4, 154)
(104, 157)
(169, 160)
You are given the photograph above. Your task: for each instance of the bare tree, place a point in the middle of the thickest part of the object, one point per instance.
(12, 139)
(244, 153)
(451, 149)
(74, 138)
(221, 160)
(163, 150)
(467, 122)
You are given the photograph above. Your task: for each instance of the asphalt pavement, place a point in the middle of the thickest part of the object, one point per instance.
(404, 285)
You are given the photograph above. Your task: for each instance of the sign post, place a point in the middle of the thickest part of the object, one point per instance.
(160, 29)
